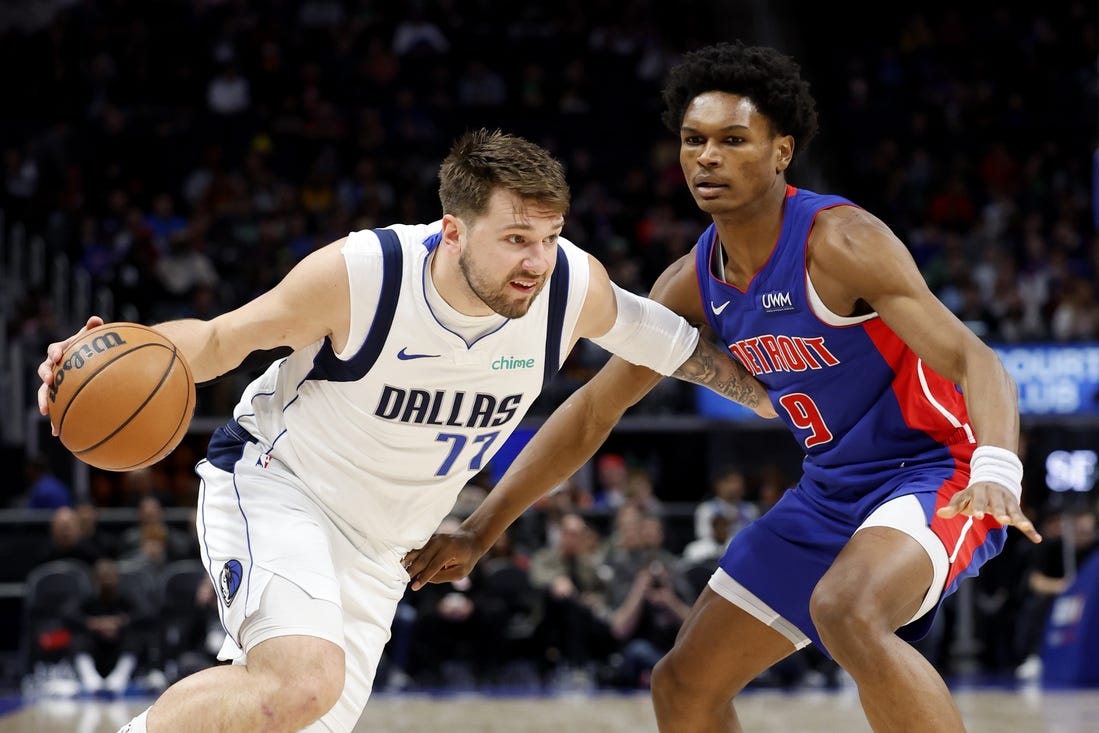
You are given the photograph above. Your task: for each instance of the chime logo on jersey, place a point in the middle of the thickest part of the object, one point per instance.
(768, 353)
(229, 581)
(511, 362)
(453, 408)
(773, 302)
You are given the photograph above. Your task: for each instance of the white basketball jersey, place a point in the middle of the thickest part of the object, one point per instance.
(385, 434)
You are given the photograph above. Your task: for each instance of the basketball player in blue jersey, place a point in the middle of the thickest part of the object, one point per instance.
(908, 421)
(417, 349)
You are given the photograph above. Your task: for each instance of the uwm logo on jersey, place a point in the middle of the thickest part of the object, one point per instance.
(769, 353)
(776, 301)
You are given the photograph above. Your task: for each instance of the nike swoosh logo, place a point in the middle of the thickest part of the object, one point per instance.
(718, 308)
(403, 355)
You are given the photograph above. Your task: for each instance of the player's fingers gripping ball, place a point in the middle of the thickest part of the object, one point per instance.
(122, 397)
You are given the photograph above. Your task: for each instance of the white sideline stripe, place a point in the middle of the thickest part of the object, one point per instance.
(951, 418)
(961, 538)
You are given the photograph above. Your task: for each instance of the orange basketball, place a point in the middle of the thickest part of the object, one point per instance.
(122, 397)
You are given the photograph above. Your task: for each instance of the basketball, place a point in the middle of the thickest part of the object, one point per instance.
(122, 397)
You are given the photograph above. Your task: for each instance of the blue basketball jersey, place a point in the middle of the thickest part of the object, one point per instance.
(858, 400)
(876, 423)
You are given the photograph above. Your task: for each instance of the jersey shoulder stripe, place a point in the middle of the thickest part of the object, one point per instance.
(326, 365)
(558, 300)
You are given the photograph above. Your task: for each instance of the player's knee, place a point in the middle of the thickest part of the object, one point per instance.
(320, 693)
(682, 701)
(671, 687)
(303, 688)
(838, 615)
(667, 685)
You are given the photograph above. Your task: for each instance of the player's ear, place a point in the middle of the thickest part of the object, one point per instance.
(784, 152)
(453, 231)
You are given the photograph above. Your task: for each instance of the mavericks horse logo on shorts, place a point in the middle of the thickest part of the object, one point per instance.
(229, 582)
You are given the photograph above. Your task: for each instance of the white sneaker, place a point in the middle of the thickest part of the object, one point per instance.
(116, 683)
(1030, 669)
(91, 682)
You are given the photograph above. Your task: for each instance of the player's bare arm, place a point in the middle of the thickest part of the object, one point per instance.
(714, 368)
(857, 264)
(311, 302)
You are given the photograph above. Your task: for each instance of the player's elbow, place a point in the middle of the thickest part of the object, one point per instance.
(766, 409)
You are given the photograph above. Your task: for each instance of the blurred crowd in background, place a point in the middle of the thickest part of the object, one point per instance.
(185, 154)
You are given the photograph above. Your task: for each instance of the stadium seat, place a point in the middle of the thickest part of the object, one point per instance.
(50, 588)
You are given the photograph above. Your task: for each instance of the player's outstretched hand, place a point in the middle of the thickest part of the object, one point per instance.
(53, 356)
(447, 556)
(987, 497)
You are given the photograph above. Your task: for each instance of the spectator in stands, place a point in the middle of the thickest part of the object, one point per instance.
(66, 539)
(574, 627)
(624, 551)
(106, 633)
(143, 566)
(541, 526)
(710, 548)
(44, 489)
(641, 493)
(729, 488)
(647, 620)
(1076, 316)
(612, 475)
(150, 515)
(104, 542)
(647, 594)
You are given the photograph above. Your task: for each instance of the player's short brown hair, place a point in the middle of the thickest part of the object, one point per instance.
(482, 161)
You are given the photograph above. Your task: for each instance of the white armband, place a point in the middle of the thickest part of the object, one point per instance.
(648, 334)
(998, 465)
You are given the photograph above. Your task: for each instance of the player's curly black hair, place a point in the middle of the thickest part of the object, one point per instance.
(771, 79)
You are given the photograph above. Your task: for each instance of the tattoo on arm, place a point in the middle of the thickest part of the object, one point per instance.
(723, 374)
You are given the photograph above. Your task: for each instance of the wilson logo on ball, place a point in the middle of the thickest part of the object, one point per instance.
(98, 345)
(127, 399)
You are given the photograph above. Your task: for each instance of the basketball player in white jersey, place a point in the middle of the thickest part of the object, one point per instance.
(417, 349)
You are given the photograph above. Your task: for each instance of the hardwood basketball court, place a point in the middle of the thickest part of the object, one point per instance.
(985, 711)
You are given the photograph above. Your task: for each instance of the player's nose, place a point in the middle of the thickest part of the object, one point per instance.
(539, 261)
(709, 156)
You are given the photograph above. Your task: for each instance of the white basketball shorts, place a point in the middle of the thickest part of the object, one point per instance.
(256, 524)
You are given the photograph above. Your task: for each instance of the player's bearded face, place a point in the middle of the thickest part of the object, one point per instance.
(509, 296)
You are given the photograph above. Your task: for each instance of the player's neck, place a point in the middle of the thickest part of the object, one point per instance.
(749, 234)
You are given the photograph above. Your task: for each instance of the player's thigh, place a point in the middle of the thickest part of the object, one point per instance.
(722, 647)
(882, 575)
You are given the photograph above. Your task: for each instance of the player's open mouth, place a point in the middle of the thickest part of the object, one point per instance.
(524, 285)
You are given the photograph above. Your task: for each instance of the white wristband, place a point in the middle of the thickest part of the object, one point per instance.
(998, 465)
